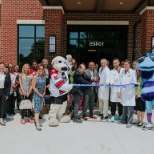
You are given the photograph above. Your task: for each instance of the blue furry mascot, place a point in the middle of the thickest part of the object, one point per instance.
(146, 66)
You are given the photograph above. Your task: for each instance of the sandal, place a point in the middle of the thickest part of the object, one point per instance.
(23, 122)
(140, 124)
(30, 120)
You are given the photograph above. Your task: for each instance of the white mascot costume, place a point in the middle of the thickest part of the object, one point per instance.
(59, 87)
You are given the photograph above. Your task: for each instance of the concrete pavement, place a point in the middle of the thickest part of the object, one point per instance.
(90, 137)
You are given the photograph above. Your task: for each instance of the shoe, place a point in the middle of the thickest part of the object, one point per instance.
(102, 117)
(39, 129)
(77, 120)
(122, 122)
(119, 118)
(23, 122)
(136, 122)
(30, 120)
(112, 119)
(106, 117)
(140, 124)
(93, 117)
(85, 118)
(128, 125)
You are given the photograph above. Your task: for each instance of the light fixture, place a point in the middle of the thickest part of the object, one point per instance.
(152, 42)
(121, 3)
(78, 3)
(52, 44)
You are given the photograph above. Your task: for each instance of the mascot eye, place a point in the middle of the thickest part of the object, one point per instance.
(152, 58)
(140, 60)
(60, 61)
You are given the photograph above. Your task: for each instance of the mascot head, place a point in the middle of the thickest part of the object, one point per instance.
(59, 63)
(146, 63)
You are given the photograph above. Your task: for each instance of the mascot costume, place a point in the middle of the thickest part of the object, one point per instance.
(59, 87)
(146, 66)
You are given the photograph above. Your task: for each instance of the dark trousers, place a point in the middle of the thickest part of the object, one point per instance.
(23, 113)
(113, 108)
(88, 101)
(127, 115)
(76, 105)
(11, 104)
(2, 105)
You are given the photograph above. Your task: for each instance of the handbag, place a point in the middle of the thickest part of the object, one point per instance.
(25, 104)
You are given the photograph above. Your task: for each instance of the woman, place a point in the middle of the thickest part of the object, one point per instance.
(39, 87)
(5, 84)
(25, 91)
(140, 105)
(127, 94)
(47, 76)
(16, 69)
(34, 68)
(12, 97)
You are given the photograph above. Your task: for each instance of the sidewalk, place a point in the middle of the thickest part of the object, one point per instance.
(90, 137)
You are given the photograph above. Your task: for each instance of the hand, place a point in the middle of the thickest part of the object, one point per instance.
(24, 93)
(41, 95)
(47, 86)
(6, 97)
(27, 94)
(119, 95)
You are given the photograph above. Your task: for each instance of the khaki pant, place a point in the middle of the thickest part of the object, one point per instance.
(103, 107)
(57, 110)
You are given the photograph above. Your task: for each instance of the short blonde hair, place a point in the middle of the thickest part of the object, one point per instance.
(23, 68)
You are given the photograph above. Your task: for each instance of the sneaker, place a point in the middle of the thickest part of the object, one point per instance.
(112, 119)
(128, 125)
(120, 118)
(104, 118)
(77, 120)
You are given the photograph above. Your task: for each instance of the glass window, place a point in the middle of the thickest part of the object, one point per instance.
(74, 35)
(26, 31)
(40, 31)
(30, 43)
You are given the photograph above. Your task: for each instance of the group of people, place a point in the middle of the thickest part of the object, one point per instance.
(127, 99)
(32, 83)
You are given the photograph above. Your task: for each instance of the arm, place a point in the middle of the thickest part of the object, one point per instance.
(80, 79)
(30, 89)
(34, 86)
(107, 77)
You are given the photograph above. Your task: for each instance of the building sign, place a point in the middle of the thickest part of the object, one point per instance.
(96, 44)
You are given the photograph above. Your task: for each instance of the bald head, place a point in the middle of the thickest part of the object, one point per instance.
(81, 68)
(91, 65)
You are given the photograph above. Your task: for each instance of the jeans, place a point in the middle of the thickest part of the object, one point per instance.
(127, 115)
(76, 105)
(88, 100)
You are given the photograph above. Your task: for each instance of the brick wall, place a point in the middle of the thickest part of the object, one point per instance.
(132, 18)
(148, 29)
(12, 10)
(53, 26)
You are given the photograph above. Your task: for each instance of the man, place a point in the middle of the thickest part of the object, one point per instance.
(103, 91)
(81, 78)
(92, 72)
(128, 94)
(115, 91)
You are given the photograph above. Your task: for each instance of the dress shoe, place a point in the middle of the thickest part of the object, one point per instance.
(140, 124)
(77, 120)
(93, 117)
(85, 118)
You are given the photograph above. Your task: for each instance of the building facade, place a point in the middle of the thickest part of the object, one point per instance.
(87, 29)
